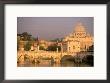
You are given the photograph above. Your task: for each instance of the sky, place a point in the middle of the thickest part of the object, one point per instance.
(49, 28)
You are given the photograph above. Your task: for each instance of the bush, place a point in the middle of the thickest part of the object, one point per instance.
(53, 48)
(27, 47)
(41, 48)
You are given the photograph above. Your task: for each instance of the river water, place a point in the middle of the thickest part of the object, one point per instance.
(47, 63)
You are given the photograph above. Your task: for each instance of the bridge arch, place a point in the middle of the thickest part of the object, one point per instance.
(67, 57)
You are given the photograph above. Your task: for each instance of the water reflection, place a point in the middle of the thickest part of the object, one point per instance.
(48, 63)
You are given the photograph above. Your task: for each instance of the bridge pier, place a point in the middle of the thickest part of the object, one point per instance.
(57, 60)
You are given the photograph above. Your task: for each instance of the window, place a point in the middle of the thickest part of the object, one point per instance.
(73, 47)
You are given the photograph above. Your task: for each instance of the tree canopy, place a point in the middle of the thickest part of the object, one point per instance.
(53, 48)
(25, 36)
(91, 48)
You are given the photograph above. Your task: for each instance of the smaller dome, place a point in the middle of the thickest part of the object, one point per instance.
(79, 27)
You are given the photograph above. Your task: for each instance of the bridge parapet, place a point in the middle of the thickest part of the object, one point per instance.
(43, 54)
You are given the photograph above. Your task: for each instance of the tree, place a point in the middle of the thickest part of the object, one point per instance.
(53, 48)
(17, 45)
(91, 48)
(41, 48)
(26, 36)
(18, 42)
(57, 40)
(27, 47)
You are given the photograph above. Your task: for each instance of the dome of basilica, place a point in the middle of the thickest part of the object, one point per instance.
(79, 27)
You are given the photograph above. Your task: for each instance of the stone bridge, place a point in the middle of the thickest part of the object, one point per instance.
(41, 54)
(32, 55)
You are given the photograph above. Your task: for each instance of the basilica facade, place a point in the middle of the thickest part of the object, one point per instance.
(77, 41)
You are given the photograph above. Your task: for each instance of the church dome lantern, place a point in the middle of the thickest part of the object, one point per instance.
(79, 27)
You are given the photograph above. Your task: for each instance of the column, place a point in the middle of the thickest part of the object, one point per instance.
(57, 49)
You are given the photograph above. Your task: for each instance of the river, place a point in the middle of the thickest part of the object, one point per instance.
(47, 63)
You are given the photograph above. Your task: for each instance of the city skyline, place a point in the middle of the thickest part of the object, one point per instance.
(52, 27)
(76, 46)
